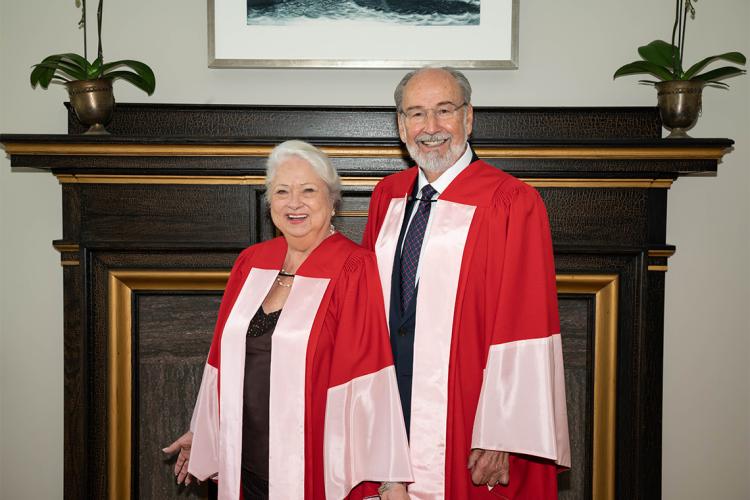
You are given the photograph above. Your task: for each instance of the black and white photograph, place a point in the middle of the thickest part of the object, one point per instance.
(480, 34)
(409, 12)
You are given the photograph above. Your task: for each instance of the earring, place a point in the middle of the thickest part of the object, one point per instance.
(331, 229)
(333, 213)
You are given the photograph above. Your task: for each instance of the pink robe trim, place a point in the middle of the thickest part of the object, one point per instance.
(204, 453)
(232, 375)
(385, 247)
(438, 285)
(522, 404)
(286, 439)
(360, 442)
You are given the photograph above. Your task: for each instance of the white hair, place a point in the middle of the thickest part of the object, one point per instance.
(460, 78)
(317, 159)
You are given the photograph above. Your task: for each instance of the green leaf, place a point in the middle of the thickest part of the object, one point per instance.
(660, 52)
(719, 85)
(76, 59)
(146, 78)
(44, 71)
(719, 74)
(38, 76)
(70, 67)
(63, 67)
(133, 78)
(94, 71)
(735, 57)
(640, 67)
(75, 71)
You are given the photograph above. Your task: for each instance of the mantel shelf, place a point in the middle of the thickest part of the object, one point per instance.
(65, 145)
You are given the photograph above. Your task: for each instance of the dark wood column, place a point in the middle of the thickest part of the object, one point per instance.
(154, 215)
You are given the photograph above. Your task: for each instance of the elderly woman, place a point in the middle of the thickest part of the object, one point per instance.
(299, 397)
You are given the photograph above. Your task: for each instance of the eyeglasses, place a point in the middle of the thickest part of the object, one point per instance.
(442, 113)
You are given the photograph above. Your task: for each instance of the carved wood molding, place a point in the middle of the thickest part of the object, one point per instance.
(257, 180)
(70, 148)
(604, 287)
(123, 283)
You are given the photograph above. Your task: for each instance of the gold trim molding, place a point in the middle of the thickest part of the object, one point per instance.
(351, 213)
(658, 268)
(574, 152)
(257, 180)
(66, 247)
(661, 253)
(122, 284)
(605, 288)
(252, 180)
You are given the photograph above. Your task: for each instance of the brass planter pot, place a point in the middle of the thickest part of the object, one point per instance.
(93, 102)
(680, 103)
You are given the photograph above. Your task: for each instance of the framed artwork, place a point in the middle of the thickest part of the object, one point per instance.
(472, 34)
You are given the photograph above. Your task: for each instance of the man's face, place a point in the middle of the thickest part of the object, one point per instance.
(434, 121)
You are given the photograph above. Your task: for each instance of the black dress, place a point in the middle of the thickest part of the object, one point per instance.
(255, 405)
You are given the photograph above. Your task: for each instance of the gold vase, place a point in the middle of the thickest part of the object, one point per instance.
(680, 103)
(93, 103)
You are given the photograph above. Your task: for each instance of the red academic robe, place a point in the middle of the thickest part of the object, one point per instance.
(335, 416)
(487, 353)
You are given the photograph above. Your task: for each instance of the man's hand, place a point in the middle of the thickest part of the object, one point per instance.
(397, 491)
(182, 444)
(489, 467)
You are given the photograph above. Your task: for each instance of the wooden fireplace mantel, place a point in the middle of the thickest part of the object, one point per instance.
(154, 215)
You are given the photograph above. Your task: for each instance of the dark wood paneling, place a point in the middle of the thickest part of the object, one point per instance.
(167, 213)
(633, 413)
(71, 220)
(650, 383)
(76, 387)
(173, 333)
(596, 217)
(271, 122)
(577, 332)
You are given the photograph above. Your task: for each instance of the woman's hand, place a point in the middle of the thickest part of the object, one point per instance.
(395, 491)
(182, 444)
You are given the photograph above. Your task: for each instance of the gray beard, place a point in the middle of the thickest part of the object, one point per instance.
(432, 161)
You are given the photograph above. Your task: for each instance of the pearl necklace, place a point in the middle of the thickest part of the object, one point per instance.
(286, 275)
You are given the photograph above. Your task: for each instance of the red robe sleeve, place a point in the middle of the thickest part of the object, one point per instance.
(365, 437)
(522, 402)
(527, 302)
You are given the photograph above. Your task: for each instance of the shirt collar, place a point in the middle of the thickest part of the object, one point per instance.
(442, 182)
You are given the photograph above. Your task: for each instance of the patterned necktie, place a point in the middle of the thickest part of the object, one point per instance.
(413, 245)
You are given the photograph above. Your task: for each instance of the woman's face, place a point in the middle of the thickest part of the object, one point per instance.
(300, 202)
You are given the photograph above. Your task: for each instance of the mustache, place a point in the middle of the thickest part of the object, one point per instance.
(439, 136)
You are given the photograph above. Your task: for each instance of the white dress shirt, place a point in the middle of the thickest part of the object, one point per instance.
(440, 185)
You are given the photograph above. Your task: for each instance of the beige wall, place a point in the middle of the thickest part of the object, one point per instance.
(568, 51)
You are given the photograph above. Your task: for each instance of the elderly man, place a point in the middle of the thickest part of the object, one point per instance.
(465, 258)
